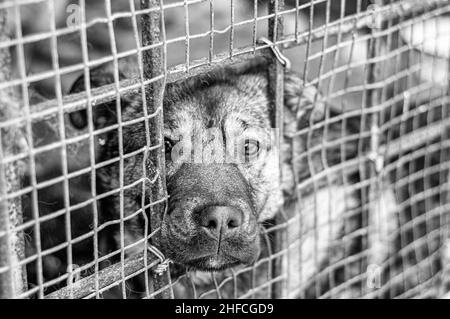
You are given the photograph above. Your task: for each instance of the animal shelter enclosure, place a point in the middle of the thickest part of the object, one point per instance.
(366, 191)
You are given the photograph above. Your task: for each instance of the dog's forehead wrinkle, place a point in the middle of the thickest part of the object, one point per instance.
(183, 122)
(242, 100)
(252, 113)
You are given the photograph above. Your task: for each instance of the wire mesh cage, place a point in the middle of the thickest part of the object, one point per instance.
(358, 97)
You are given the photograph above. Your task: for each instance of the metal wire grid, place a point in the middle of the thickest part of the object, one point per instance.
(248, 281)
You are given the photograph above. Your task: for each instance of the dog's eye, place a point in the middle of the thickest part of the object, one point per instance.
(251, 147)
(168, 144)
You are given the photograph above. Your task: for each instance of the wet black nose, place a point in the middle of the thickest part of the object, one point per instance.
(220, 219)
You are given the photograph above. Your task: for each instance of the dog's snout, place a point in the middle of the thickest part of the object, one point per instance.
(211, 222)
(220, 219)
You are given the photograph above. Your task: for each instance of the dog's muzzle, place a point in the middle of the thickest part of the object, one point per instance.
(211, 223)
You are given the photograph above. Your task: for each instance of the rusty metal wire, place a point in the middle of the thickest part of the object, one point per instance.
(368, 216)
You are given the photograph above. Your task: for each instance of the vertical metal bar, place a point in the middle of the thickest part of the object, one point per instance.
(93, 183)
(375, 242)
(231, 44)
(187, 41)
(31, 158)
(13, 277)
(154, 63)
(211, 30)
(276, 90)
(444, 181)
(255, 24)
(62, 135)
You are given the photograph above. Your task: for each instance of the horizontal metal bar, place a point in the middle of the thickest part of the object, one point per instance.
(106, 277)
(104, 94)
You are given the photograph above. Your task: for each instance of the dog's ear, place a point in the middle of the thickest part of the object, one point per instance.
(104, 114)
(302, 102)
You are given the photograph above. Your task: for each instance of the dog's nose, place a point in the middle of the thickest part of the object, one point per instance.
(220, 219)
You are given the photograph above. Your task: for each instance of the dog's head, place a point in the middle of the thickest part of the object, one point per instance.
(222, 169)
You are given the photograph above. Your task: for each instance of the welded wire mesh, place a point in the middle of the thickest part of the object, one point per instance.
(367, 215)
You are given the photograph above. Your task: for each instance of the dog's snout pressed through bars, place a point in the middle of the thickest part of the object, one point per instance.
(361, 123)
